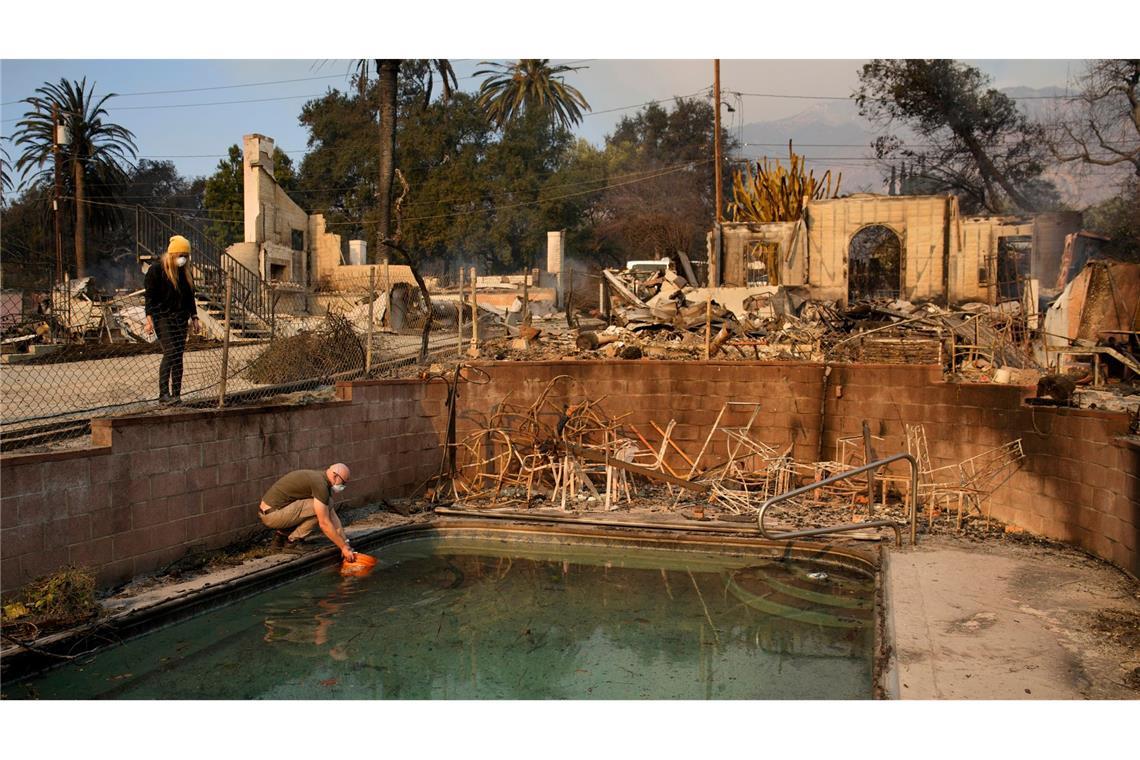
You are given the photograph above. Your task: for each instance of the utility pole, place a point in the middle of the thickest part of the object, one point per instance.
(55, 142)
(716, 140)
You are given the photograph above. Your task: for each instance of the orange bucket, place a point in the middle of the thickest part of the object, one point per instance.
(361, 566)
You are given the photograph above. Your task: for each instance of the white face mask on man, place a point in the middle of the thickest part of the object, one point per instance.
(181, 261)
(338, 488)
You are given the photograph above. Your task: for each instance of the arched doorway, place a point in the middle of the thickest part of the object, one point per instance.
(874, 264)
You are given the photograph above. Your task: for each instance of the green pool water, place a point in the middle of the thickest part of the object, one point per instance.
(471, 618)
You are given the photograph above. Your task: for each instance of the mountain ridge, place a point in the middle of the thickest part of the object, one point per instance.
(833, 136)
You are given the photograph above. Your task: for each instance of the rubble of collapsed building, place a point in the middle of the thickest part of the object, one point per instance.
(880, 279)
(72, 314)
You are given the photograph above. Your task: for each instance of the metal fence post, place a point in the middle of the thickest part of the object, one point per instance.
(459, 319)
(371, 312)
(387, 294)
(474, 315)
(225, 344)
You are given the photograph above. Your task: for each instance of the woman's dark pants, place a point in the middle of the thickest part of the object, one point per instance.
(172, 336)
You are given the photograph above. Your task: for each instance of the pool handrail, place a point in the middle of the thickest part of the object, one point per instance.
(912, 497)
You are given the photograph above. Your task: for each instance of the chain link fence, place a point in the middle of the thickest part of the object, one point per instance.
(76, 354)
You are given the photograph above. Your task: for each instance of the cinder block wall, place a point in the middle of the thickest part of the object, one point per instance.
(647, 391)
(1079, 483)
(152, 488)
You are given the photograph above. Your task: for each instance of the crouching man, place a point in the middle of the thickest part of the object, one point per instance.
(301, 501)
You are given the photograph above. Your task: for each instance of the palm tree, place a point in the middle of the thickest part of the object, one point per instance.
(5, 180)
(94, 155)
(388, 73)
(529, 84)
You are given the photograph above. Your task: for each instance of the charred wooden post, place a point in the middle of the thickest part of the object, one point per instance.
(588, 341)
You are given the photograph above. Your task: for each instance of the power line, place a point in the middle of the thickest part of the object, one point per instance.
(656, 173)
(188, 212)
(575, 183)
(197, 105)
(265, 84)
(520, 204)
(205, 89)
(869, 158)
(786, 96)
(246, 84)
(646, 103)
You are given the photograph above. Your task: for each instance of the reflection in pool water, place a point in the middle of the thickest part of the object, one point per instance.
(467, 619)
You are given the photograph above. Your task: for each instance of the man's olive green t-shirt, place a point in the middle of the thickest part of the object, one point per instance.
(299, 484)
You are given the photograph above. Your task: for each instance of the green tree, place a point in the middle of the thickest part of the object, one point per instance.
(581, 209)
(5, 177)
(153, 185)
(27, 246)
(475, 196)
(1118, 218)
(284, 172)
(451, 195)
(981, 147)
(95, 154)
(158, 185)
(223, 200)
(662, 193)
(529, 85)
(527, 159)
(388, 74)
(338, 175)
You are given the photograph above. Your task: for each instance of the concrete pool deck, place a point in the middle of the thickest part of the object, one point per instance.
(966, 619)
(1005, 620)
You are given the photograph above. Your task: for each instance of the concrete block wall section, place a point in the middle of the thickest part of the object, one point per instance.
(1078, 482)
(153, 488)
(641, 392)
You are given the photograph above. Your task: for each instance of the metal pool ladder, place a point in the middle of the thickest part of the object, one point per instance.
(911, 497)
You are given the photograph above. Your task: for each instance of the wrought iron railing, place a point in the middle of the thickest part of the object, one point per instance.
(250, 293)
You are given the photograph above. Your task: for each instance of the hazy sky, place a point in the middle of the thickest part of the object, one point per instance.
(218, 101)
(227, 80)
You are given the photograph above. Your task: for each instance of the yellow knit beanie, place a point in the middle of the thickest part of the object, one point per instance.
(178, 244)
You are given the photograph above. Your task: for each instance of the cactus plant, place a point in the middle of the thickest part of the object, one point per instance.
(776, 194)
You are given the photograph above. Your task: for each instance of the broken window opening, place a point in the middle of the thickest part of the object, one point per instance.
(298, 240)
(278, 272)
(874, 264)
(1013, 263)
(762, 263)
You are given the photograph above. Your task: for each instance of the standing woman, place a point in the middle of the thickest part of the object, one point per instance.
(169, 307)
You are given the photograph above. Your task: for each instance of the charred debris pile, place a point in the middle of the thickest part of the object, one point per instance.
(659, 314)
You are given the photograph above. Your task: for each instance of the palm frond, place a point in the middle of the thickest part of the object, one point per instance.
(529, 84)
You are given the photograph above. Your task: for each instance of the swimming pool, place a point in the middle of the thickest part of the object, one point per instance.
(482, 612)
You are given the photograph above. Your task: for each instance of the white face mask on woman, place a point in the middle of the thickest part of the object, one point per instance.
(181, 261)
